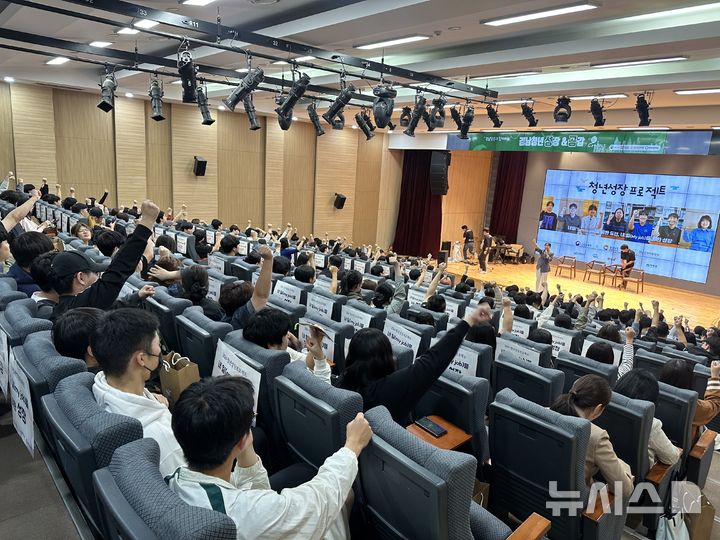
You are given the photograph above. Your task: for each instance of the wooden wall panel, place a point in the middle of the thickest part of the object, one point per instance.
(336, 156)
(84, 138)
(130, 150)
(33, 121)
(241, 169)
(158, 157)
(464, 204)
(389, 201)
(7, 150)
(274, 172)
(299, 177)
(367, 188)
(190, 138)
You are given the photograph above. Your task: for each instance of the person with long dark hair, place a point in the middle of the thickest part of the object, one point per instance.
(195, 284)
(370, 368)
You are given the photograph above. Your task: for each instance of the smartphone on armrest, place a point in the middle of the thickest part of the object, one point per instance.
(436, 430)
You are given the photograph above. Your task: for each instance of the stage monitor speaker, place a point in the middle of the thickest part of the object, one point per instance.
(446, 246)
(199, 166)
(439, 163)
(442, 256)
(339, 201)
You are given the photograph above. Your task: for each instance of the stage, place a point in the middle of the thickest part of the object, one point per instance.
(700, 309)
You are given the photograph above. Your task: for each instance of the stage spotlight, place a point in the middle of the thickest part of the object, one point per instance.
(529, 114)
(336, 108)
(405, 117)
(296, 92)
(562, 111)
(203, 106)
(188, 74)
(428, 120)
(391, 126)
(596, 109)
(437, 114)
(383, 104)
(107, 92)
(493, 115)
(362, 124)
(455, 114)
(315, 119)
(642, 107)
(284, 120)
(156, 94)
(467, 121)
(417, 114)
(367, 119)
(338, 121)
(249, 83)
(250, 111)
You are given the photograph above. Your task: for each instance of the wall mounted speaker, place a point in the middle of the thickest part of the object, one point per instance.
(439, 163)
(199, 166)
(339, 201)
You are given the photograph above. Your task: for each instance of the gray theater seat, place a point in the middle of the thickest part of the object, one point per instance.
(198, 336)
(575, 366)
(534, 383)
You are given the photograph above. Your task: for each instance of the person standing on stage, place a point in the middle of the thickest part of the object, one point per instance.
(542, 269)
(485, 250)
(468, 242)
(548, 219)
(627, 263)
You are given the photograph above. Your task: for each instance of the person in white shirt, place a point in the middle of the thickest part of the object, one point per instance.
(211, 421)
(270, 329)
(126, 345)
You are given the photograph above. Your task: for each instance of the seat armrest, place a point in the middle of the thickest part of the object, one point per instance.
(658, 473)
(705, 442)
(533, 528)
(596, 514)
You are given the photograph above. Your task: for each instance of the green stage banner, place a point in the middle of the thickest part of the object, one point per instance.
(602, 142)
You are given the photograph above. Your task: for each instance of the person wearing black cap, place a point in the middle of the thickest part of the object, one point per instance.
(76, 279)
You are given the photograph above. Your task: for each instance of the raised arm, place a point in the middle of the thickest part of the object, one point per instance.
(507, 315)
(334, 281)
(423, 273)
(656, 313)
(14, 217)
(264, 283)
(436, 280)
(628, 354)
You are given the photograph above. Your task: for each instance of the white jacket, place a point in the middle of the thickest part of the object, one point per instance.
(313, 510)
(322, 369)
(155, 418)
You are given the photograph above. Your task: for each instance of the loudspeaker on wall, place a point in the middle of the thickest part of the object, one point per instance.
(339, 201)
(199, 166)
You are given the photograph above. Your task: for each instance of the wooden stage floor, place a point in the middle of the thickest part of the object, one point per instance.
(699, 308)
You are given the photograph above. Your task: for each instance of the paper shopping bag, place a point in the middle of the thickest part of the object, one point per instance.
(176, 376)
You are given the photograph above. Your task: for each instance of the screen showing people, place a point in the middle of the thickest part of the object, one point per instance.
(669, 222)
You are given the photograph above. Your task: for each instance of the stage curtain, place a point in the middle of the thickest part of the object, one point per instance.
(420, 213)
(509, 187)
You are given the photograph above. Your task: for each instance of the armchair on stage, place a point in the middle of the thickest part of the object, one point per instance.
(596, 269)
(514, 252)
(566, 263)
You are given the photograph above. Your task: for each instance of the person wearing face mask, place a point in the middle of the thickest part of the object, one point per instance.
(126, 345)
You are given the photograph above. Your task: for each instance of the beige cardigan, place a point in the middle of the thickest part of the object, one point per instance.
(602, 458)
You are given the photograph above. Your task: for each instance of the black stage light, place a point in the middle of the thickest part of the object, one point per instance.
(596, 109)
(391, 126)
(337, 106)
(428, 120)
(405, 117)
(156, 94)
(315, 119)
(642, 107)
(296, 92)
(529, 114)
(562, 111)
(383, 104)
(338, 121)
(417, 114)
(467, 121)
(107, 92)
(203, 106)
(250, 111)
(437, 114)
(188, 76)
(284, 120)
(367, 119)
(493, 115)
(362, 124)
(249, 83)
(455, 114)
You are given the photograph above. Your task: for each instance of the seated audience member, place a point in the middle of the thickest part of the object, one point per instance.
(126, 344)
(522, 311)
(71, 335)
(216, 224)
(286, 250)
(25, 248)
(679, 373)
(253, 257)
(195, 284)
(281, 265)
(563, 320)
(211, 421)
(229, 245)
(270, 329)
(642, 384)
(109, 242)
(304, 274)
(377, 270)
(337, 262)
(167, 242)
(185, 227)
(601, 352)
(76, 279)
(171, 264)
(587, 399)
(425, 318)
(611, 332)
(234, 230)
(83, 232)
(42, 274)
(351, 285)
(370, 368)
(540, 335)
(388, 298)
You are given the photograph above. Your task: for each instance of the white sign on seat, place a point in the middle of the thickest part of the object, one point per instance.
(230, 361)
(22, 411)
(320, 305)
(402, 335)
(516, 350)
(359, 319)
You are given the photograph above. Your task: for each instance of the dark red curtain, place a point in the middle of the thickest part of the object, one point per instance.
(420, 214)
(508, 195)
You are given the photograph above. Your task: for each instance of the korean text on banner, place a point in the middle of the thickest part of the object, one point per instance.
(230, 361)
